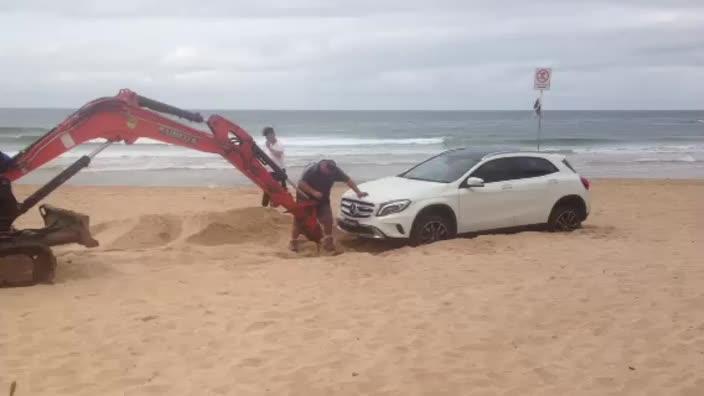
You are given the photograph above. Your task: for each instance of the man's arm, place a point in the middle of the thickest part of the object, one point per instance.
(306, 188)
(342, 176)
(351, 184)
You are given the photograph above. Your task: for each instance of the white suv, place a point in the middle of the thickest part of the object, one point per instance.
(462, 191)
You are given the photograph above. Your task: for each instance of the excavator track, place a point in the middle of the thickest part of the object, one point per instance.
(25, 263)
(25, 255)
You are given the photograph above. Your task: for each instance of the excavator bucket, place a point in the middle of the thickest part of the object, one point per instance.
(25, 255)
(64, 226)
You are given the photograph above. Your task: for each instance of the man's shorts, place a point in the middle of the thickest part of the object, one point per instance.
(323, 211)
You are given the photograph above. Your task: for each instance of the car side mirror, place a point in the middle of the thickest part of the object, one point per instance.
(474, 182)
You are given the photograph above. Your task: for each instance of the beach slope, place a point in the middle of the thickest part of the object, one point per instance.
(193, 292)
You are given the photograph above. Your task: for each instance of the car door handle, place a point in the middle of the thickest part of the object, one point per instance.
(552, 181)
(506, 187)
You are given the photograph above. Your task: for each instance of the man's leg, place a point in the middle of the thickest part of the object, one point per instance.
(325, 220)
(266, 198)
(283, 179)
(295, 233)
(295, 230)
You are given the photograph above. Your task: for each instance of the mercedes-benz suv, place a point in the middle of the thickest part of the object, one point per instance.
(462, 191)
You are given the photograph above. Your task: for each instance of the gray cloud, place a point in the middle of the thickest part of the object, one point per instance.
(370, 54)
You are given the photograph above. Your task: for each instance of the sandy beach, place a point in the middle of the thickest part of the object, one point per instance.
(192, 292)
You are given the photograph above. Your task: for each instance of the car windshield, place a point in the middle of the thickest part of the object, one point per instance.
(444, 168)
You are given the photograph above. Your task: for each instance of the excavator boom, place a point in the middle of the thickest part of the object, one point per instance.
(128, 117)
(125, 118)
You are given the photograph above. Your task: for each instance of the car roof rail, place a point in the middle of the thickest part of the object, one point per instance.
(494, 154)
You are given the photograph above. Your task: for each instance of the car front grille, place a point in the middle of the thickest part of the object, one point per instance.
(358, 209)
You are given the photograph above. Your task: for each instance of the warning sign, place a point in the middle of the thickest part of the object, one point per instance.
(542, 78)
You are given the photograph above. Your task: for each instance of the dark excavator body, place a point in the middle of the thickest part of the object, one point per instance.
(25, 255)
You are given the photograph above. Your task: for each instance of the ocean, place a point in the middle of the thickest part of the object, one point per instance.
(371, 144)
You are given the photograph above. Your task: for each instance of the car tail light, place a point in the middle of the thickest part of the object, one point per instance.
(585, 182)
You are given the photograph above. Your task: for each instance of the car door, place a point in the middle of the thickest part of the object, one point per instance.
(536, 178)
(491, 206)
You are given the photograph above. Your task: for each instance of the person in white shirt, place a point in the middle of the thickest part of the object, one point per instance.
(276, 153)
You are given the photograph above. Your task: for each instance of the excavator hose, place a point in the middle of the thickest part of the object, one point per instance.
(168, 109)
(53, 184)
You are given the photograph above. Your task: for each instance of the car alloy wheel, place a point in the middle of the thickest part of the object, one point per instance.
(433, 231)
(567, 220)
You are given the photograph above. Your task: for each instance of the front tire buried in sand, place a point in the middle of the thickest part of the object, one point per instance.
(429, 228)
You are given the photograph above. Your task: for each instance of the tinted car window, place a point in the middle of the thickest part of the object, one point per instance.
(444, 168)
(533, 166)
(497, 170)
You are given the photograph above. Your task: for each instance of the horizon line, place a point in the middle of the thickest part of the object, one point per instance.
(370, 110)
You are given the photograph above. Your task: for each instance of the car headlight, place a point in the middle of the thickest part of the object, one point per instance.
(390, 207)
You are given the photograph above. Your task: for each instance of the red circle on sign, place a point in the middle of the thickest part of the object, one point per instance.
(543, 75)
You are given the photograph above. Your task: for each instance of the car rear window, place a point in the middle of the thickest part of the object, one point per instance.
(567, 164)
(533, 166)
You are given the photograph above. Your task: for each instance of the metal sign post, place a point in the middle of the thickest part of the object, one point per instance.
(541, 81)
(540, 117)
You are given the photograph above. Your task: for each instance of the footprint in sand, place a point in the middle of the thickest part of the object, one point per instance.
(256, 326)
(250, 362)
(238, 226)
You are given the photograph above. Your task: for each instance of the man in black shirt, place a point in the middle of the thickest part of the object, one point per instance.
(316, 183)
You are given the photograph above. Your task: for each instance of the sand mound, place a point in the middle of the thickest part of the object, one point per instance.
(207, 229)
(148, 232)
(108, 232)
(240, 226)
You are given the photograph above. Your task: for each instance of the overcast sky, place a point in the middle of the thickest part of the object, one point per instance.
(361, 54)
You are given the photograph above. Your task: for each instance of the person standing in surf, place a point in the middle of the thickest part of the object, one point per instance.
(276, 153)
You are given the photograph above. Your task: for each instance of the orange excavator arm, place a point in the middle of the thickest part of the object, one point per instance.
(128, 117)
